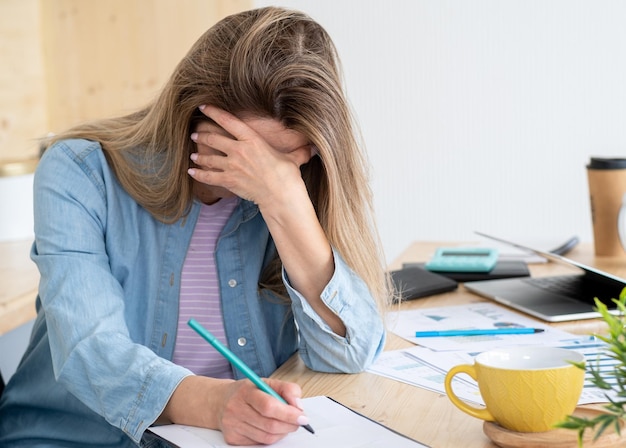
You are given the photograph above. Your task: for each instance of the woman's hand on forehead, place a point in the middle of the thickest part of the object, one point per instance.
(253, 157)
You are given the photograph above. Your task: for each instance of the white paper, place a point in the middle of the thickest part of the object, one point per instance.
(334, 424)
(465, 317)
(506, 252)
(410, 367)
(425, 368)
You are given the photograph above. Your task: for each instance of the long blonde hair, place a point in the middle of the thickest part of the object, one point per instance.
(267, 62)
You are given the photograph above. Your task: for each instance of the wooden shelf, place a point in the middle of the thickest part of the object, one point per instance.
(20, 279)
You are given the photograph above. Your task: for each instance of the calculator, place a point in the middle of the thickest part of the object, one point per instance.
(463, 259)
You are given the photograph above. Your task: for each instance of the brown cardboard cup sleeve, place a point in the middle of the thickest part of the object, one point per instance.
(607, 187)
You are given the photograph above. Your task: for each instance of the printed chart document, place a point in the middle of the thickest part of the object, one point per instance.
(334, 424)
(425, 365)
(468, 317)
(425, 368)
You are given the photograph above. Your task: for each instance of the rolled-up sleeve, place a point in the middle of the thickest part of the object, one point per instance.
(347, 295)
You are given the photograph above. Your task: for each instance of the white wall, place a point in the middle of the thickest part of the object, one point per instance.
(481, 114)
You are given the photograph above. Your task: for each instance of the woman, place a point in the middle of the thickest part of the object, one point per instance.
(239, 198)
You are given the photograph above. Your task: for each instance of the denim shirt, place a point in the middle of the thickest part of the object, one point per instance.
(98, 370)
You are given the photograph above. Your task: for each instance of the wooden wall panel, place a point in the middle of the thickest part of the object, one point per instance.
(75, 60)
(22, 81)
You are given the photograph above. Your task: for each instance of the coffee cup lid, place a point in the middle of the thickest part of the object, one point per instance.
(602, 163)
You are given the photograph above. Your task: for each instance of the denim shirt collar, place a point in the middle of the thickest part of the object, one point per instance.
(244, 212)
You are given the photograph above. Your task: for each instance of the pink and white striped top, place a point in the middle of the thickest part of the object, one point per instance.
(200, 295)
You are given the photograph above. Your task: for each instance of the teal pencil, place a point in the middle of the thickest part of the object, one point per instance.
(238, 363)
(477, 332)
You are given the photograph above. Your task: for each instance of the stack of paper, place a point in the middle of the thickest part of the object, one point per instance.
(426, 365)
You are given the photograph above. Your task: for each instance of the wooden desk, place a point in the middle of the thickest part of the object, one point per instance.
(19, 280)
(424, 415)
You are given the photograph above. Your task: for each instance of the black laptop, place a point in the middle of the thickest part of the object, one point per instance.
(557, 298)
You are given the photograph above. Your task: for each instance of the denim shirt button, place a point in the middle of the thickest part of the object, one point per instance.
(241, 342)
(232, 282)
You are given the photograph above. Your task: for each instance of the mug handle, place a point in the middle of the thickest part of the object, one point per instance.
(481, 413)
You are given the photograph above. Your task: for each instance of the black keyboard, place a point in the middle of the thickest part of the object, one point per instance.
(569, 285)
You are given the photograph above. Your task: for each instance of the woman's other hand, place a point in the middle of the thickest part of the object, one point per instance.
(259, 159)
(255, 158)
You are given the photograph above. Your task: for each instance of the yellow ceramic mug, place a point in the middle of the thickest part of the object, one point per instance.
(525, 389)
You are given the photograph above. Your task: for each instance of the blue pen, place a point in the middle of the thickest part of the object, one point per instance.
(234, 360)
(477, 332)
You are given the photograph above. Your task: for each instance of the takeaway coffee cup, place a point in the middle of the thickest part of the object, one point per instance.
(607, 187)
(525, 389)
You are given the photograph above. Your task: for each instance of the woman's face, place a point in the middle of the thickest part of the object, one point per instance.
(280, 138)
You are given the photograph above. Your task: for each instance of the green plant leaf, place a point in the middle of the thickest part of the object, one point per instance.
(616, 349)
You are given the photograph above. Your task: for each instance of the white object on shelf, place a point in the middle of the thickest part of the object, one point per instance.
(16, 207)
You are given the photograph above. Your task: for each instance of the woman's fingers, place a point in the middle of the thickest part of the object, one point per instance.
(254, 158)
(229, 122)
(252, 416)
(215, 141)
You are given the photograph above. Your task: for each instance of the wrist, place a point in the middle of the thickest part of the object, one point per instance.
(286, 202)
(196, 401)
